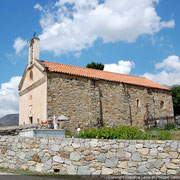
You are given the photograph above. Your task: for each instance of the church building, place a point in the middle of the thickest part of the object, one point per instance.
(88, 97)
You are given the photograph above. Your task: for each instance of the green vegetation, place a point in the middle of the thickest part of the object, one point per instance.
(68, 134)
(170, 126)
(130, 133)
(46, 175)
(122, 132)
(94, 65)
(176, 99)
(158, 134)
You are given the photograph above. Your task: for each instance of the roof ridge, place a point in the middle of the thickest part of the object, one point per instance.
(96, 69)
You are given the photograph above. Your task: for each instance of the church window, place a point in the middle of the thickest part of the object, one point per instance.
(137, 102)
(162, 104)
(31, 75)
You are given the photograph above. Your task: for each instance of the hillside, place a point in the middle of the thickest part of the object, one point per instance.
(9, 120)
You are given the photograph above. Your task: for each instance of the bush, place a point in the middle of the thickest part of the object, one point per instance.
(68, 133)
(164, 135)
(88, 133)
(122, 132)
(169, 126)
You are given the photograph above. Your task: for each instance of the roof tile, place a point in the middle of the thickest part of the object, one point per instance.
(99, 74)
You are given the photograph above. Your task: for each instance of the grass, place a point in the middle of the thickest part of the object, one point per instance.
(160, 134)
(175, 134)
(47, 175)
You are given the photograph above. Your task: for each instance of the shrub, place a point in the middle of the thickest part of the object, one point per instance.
(88, 133)
(68, 133)
(169, 126)
(121, 132)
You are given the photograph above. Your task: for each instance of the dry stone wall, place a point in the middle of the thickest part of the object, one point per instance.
(91, 157)
(88, 103)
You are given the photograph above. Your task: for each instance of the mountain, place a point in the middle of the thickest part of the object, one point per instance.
(9, 120)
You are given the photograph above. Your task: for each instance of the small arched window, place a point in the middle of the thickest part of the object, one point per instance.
(162, 104)
(137, 102)
(31, 75)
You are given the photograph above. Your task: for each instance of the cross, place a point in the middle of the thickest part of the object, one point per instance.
(34, 35)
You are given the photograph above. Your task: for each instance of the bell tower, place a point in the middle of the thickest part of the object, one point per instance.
(33, 50)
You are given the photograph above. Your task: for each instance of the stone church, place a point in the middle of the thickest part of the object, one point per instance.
(88, 97)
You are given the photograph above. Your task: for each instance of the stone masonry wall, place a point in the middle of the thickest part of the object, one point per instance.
(88, 103)
(91, 157)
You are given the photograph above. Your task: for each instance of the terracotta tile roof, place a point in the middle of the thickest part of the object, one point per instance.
(99, 74)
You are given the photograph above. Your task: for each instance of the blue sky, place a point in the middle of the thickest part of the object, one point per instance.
(137, 37)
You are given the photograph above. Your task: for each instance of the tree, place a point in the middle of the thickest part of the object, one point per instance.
(176, 99)
(94, 65)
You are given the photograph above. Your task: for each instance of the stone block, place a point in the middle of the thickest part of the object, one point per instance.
(93, 143)
(101, 157)
(131, 149)
(139, 146)
(111, 162)
(136, 157)
(158, 164)
(142, 169)
(96, 173)
(58, 159)
(39, 167)
(107, 171)
(71, 170)
(120, 153)
(143, 151)
(86, 152)
(163, 169)
(36, 158)
(163, 155)
(11, 153)
(3, 151)
(21, 155)
(89, 157)
(55, 147)
(172, 166)
(76, 145)
(123, 165)
(173, 155)
(68, 149)
(83, 170)
(75, 156)
(171, 172)
(153, 152)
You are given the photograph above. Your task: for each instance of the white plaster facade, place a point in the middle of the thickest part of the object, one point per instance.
(33, 89)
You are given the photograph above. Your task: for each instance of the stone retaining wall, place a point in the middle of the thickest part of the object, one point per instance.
(14, 130)
(91, 157)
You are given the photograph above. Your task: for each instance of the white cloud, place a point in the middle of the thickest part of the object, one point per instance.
(38, 6)
(9, 101)
(77, 54)
(171, 63)
(123, 67)
(19, 45)
(74, 25)
(169, 72)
